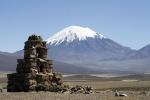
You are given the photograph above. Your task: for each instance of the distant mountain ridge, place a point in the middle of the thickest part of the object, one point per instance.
(85, 50)
(77, 42)
(141, 53)
(7, 61)
(84, 47)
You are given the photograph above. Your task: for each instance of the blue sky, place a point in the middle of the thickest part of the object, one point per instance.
(124, 21)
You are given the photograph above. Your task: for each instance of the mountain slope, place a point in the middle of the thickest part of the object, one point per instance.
(141, 53)
(84, 50)
(8, 61)
(72, 33)
(77, 44)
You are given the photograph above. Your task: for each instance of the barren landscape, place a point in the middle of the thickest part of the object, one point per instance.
(103, 89)
(74, 50)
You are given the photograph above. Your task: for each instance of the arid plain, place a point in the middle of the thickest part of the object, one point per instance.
(103, 89)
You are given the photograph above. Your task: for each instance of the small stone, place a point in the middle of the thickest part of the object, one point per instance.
(123, 95)
(144, 93)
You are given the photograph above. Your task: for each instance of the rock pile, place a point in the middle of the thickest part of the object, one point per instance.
(73, 90)
(81, 89)
(35, 71)
(117, 94)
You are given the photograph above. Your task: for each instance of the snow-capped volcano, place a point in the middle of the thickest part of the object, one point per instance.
(72, 33)
(87, 49)
(81, 44)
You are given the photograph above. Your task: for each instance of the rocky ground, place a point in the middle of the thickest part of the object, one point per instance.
(101, 95)
(102, 90)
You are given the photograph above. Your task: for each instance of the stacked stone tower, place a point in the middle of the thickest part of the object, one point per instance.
(35, 71)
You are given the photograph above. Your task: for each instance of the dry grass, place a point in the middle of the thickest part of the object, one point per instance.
(56, 96)
(132, 89)
(100, 85)
(102, 95)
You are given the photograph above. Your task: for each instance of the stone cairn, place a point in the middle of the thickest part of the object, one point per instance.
(35, 71)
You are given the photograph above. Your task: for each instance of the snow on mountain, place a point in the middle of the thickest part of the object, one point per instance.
(81, 44)
(87, 49)
(72, 33)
